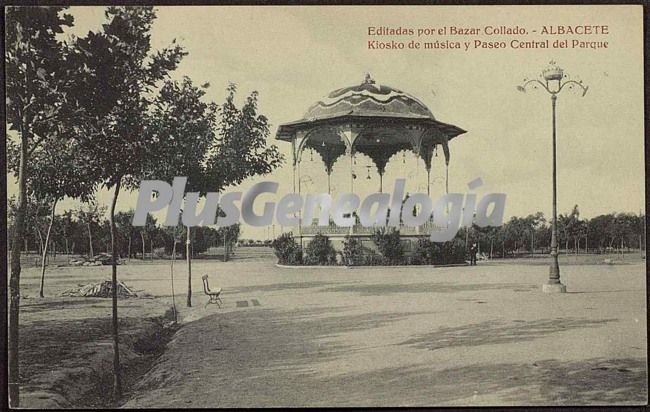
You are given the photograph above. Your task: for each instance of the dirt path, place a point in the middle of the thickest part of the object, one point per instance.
(393, 340)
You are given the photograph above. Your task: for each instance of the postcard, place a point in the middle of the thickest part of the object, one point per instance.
(325, 206)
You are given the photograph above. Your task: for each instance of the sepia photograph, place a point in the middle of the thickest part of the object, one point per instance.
(276, 206)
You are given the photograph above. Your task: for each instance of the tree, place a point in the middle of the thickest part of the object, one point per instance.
(56, 172)
(126, 231)
(213, 146)
(535, 222)
(598, 230)
(35, 220)
(126, 73)
(175, 233)
(579, 231)
(146, 232)
(227, 236)
(568, 225)
(67, 226)
(40, 89)
(90, 217)
(515, 234)
(488, 235)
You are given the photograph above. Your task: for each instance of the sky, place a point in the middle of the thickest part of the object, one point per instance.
(294, 56)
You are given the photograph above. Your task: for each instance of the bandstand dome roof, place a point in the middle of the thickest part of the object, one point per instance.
(368, 101)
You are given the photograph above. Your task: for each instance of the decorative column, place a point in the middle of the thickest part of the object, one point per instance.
(329, 183)
(302, 137)
(348, 136)
(329, 166)
(445, 148)
(300, 210)
(427, 156)
(293, 162)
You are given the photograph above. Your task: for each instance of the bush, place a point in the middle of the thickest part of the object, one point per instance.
(434, 253)
(427, 252)
(287, 250)
(352, 251)
(389, 245)
(320, 251)
(453, 251)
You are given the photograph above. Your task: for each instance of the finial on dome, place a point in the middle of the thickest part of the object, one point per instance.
(369, 79)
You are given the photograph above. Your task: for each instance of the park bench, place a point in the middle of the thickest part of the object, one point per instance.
(212, 294)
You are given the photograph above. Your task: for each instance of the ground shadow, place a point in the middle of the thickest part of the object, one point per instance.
(495, 332)
(424, 287)
(548, 382)
(280, 286)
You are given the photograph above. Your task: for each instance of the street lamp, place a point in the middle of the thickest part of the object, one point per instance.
(554, 81)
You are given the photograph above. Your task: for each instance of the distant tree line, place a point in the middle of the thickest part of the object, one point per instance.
(532, 234)
(85, 231)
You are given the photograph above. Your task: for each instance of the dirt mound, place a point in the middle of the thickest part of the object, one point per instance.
(97, 260)
(102, 289)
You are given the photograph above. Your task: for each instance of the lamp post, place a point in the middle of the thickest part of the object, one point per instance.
(554, 81)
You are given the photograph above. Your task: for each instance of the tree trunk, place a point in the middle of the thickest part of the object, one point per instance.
(622, 251)
(491, 247)
(151, 244)
(47, 241)
(90, 240)
(40, 241)
(225, 245)
(172, 279)
(142, 237)
(117, 384)
(14, 279)
(128, 250)
(67, 249)
(188, 253)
